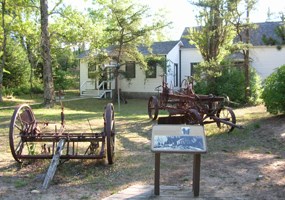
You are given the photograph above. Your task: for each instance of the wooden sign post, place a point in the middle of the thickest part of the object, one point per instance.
(172, 138)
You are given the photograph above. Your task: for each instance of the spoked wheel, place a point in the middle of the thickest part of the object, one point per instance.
(193, 117)
(22, 124)
(228, 115)
(109, 127)
(153, 107)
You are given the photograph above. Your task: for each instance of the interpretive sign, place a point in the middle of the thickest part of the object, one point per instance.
(178, 138)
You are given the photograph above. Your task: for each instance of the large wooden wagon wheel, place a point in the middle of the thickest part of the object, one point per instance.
(226, 114)
(153, 107)
(22, 124)
(109, 128)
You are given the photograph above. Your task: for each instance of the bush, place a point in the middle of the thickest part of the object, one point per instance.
(255, 88)
(62, 80)
(274, 91)
(231, 83)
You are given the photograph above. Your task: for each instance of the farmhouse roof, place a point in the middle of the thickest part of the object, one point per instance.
(263, 29)
(159, 48)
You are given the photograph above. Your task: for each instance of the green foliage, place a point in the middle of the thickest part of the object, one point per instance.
(274, 90)
(215, 33)
(126, 29)
(7, 91)
(154, 61)
(62, 80)
(255, 88)
(17, 64)
(231, 83)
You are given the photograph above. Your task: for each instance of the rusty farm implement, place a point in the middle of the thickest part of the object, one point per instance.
(29, 139)
(185, 106)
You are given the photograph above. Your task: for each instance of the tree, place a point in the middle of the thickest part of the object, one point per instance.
(126, 30)
(243, 27)
(46, 56)
(220, 22)
(215, 34)
(3, 49)
(67, 33)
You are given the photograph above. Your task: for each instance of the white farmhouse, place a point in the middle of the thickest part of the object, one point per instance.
(139, 85)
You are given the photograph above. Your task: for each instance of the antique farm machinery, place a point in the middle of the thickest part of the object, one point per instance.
(32, 139)
(185, 106)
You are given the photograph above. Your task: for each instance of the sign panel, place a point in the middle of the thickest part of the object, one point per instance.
(178, 138)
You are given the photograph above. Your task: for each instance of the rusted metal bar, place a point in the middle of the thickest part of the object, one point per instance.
(61, 156)
(56, 139)
(227, 122)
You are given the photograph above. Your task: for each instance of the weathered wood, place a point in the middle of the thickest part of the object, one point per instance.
(157, 174)
(54, 163)
(196, 174)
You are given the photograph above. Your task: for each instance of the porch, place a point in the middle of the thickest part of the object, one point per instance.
(96, 90)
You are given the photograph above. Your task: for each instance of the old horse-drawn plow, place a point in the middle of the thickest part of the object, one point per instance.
(32, 139)
(28, 139)
(191, 108)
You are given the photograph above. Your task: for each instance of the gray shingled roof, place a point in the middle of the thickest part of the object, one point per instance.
(159, 48)
(264, 28)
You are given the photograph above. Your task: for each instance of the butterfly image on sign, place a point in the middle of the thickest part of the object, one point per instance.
(185, 130)
(178, 138)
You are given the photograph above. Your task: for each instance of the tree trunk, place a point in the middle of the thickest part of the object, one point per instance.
(115, 95)
(32, 59)
(3, 48)
(47, 68)
(246, 60)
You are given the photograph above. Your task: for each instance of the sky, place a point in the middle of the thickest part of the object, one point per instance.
(182, 13)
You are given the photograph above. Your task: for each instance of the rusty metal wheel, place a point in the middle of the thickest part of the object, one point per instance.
(153, 107)
(226, 114)
(22, 124)
(193, 117)
(109, 128)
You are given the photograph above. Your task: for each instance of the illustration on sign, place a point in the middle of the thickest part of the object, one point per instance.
(192, 143)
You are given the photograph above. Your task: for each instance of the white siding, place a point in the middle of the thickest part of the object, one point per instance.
(140, 83)
(172, 58)
(188, 56)
(83, 71)
(266, 59)
(85, 82)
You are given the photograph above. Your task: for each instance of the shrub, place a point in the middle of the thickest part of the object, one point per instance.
(231, 83)
(255, 88)
(62, 80)
(274, 91)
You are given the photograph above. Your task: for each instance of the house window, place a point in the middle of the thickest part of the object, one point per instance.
(151, 71)
(91, 70)
(175, 75)
(131, 69)
(192, 68)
